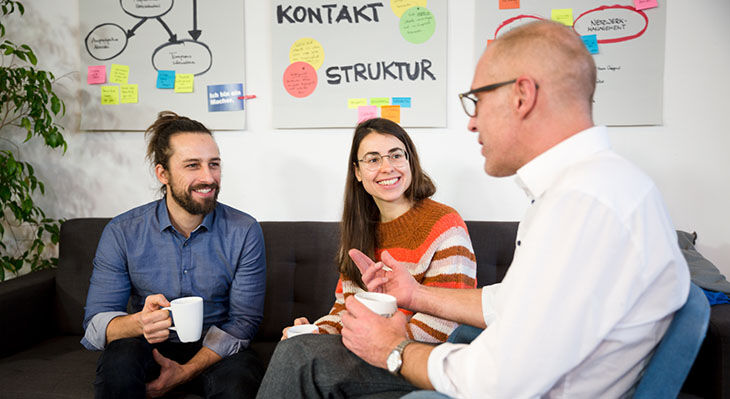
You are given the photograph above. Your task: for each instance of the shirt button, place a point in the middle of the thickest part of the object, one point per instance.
(519, 243)
(532, 202)
(185, 244)
(185, 271)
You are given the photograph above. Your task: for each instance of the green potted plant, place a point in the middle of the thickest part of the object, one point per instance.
(29, 109)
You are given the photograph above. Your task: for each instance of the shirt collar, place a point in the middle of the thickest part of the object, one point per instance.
(163, 217)
(537, 175)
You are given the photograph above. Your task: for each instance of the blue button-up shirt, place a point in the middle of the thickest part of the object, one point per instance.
(140, 254)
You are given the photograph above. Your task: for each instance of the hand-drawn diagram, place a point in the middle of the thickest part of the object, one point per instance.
(177, 55)
(108, 40)
(627, 45)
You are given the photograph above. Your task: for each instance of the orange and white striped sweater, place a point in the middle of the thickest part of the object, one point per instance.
(432, 241)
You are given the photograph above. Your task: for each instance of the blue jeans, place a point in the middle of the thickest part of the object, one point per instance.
(126, 365)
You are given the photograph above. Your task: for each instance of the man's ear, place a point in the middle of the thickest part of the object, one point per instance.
(526, 92)
(161, 174)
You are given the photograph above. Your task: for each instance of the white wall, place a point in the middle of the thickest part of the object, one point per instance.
(299, 174)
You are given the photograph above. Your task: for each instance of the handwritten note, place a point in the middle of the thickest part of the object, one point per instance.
(356, 102)
(591, 42)
(366, 112)
(184, 82)
(96, 74)
(509, 4)
(404, 102)
(644, 4)
(165, 79)
(391, 112)
(380, 101)
(109, 95)
(129, 93)
(119, 74)
(563, 15)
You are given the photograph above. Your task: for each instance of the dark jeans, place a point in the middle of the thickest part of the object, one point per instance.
(127, 364)
(319, 366)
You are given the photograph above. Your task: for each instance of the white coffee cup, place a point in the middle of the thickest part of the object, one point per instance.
(293, 331)
(187, 315)
(382, 304)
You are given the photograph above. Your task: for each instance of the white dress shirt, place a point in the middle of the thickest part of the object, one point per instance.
(594, 283)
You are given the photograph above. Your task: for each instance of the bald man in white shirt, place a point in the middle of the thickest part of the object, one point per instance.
(597, 274)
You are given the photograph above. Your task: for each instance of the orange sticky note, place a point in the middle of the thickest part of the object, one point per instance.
(508, 4)
(391, 112)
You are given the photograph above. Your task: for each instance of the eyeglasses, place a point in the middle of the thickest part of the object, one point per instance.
(470, 107)
(372, 161)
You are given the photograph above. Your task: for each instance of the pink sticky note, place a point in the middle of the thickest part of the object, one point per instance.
(644, 4)
(365, 112)
(96, 74)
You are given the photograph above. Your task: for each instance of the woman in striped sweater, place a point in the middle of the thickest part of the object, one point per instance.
(387, 208)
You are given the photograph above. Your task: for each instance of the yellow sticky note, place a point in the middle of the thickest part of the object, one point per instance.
(380, 101)
(562, 15)
(391, 112)
(129, 93)
(356, 102)
(119, 74)
(184, 82)
(109, 95)
(307, 50)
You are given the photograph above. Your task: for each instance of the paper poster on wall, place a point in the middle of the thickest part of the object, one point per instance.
(160, 55)
(336, 63)
(627, 45)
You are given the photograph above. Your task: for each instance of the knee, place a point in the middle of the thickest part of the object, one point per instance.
(126, 353)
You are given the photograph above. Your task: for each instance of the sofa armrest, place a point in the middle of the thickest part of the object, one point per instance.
(26, 310)
(710, 374)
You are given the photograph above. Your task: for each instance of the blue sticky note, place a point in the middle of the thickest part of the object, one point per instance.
(404, 102)
(226, 97)
(591, 42)
(165, 79)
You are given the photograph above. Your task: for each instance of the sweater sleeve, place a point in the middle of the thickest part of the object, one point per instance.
(453, 265)
(332, 322)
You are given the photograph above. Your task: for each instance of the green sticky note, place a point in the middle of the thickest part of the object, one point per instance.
(129, 93)
(356, 102)
(119, 74)
(380, 101)
(184, 82)
(563, 15)
(417, 25)
(109, 95)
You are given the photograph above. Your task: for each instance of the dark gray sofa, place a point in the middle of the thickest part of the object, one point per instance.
(41, 313)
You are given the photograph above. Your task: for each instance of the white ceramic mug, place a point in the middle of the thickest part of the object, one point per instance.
(293, 331)
(382, 304)
(187, 315)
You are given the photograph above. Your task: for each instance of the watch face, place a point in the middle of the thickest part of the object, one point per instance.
(394, 361)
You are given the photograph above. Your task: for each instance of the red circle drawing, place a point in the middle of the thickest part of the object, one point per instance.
(300, 79)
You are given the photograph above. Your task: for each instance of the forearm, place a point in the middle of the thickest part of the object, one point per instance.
(463, 306)
(415, 364)
(201, 361)
(124, 327)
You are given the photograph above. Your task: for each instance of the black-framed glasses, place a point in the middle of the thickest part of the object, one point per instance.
(470, 107)
(372, 160)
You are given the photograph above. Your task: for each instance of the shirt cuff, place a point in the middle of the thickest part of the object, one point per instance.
(489, 292)
(95, 335)
(437, 372)
(222, 343)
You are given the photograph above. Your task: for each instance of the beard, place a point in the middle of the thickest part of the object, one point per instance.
(184, 198)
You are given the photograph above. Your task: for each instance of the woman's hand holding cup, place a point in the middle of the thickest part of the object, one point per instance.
(301, 326)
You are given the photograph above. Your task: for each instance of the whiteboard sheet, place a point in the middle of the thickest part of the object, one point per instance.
(198, 40)
(630, 58)
(336, 62)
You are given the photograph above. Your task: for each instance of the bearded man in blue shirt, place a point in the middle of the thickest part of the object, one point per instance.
(185, 244)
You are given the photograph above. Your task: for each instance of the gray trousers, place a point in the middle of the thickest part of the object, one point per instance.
(319, 366)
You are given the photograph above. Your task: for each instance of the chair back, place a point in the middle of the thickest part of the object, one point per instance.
(676, 352)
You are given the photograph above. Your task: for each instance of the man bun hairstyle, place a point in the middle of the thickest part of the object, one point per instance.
(159, 133)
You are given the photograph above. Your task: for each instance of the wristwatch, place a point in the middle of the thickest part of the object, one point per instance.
(395, 359)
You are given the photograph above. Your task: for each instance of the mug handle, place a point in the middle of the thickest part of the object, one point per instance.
(169, 309)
